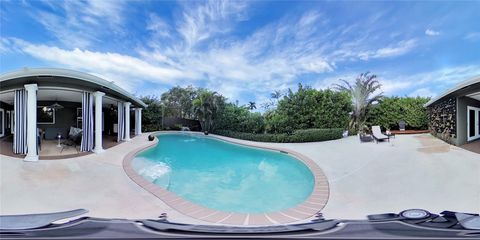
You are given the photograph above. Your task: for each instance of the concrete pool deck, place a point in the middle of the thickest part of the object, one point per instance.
(412, 171)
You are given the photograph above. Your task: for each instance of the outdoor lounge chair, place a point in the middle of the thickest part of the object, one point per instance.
(378, 135)
(73, 140)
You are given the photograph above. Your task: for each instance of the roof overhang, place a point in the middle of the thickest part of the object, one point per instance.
(459, 88)
(67, 78)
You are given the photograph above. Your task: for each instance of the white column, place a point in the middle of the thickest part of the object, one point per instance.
(127, 121)
(138, 121)
(98, 122)
(31, 122)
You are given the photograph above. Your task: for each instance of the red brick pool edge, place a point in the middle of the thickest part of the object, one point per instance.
(312, 205)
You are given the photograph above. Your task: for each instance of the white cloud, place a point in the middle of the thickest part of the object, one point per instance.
(267, 59)
(202, 21)
(79, 23)
(422, 92)
(425, 84)
(472, 36)
(431, 32)
(434, 81)
(392, 87)
(398, 49)
(158, 26)
(124, 70)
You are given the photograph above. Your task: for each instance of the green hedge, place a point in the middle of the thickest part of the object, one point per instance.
(391, 110)
(309, 108)
(305, 135)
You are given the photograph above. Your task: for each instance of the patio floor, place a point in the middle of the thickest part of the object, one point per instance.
(50, 149)
(410, 171)
(473, 146)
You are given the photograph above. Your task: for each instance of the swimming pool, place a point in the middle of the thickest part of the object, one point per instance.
(225, 176)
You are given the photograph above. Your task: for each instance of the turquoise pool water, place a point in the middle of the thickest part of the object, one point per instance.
(225, 176)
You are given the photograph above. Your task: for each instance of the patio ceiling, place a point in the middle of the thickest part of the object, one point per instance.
(56, 95)
(475, 96)
(65, 78)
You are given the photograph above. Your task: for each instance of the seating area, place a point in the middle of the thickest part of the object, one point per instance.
(50, 148)
(376, 136)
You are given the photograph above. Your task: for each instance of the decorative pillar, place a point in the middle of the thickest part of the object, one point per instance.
(98, 122)
(127, 121)
(32, 154)
(138, 121)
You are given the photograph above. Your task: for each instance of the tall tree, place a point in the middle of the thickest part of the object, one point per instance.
(273, 101)
(178, 101)
(206, 106)
(364, 91)
(252, 105)
(151, 116)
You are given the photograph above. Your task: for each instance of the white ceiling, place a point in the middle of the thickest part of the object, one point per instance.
(474, 96)
(56, 95)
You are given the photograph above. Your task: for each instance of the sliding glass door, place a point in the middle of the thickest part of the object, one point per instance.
(473, 123)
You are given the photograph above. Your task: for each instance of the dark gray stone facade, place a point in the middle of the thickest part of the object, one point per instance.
(442, 117)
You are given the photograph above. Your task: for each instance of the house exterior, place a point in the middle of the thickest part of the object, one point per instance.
(54, 101)
(455, 114)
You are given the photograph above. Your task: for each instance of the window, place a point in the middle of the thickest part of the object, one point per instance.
(79, 118)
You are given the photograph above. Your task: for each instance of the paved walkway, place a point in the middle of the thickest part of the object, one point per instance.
(473, 146)
(409, 172)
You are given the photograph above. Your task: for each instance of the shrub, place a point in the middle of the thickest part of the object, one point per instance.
(239, 119)
(309, 108)
(316, 135)
(391, 110)
(177, 127)
(151, 127)
(152, 115)
(306, 135)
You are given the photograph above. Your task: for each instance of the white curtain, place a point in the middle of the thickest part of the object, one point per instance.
(20, 132)
(87, 122)
(121, 122)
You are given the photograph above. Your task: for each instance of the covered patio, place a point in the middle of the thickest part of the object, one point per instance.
(57, 113)
(51, 150)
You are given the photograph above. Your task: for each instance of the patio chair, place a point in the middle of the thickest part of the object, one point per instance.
(378, 135)
(401, 125)
(73, 140)
(365, 138)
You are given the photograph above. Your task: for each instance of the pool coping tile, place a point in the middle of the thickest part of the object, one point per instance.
(235, 219)
(259, 219)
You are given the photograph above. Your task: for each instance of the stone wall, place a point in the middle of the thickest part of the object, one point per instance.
(442, 119)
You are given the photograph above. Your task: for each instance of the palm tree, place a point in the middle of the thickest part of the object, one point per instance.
(276, 95)
(205, 107)
(363, 94)
(252, 105)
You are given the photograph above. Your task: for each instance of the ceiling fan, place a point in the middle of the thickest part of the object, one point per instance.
(56, 105)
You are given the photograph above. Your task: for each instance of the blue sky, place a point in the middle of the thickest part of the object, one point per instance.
(245, 50)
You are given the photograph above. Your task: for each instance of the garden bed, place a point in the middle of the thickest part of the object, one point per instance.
(304, 135)
(410, 131)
